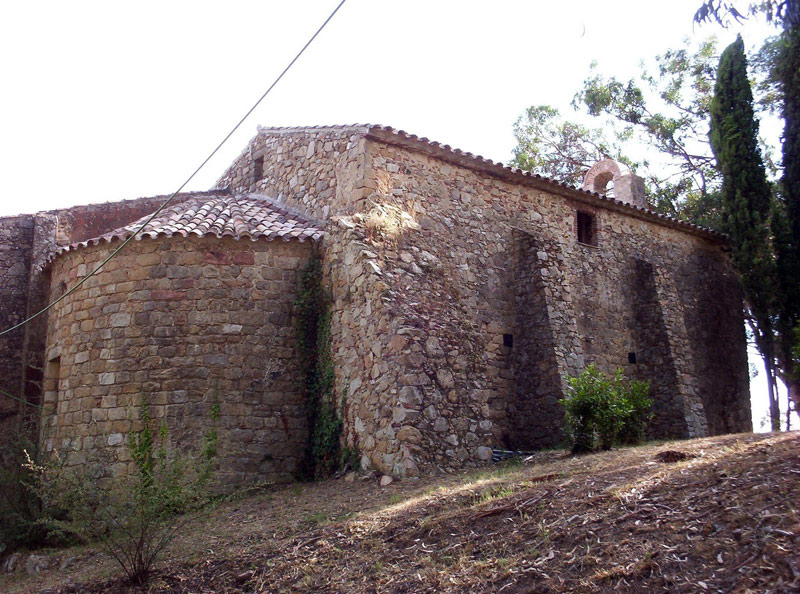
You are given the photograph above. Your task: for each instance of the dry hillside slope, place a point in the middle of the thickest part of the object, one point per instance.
(717, 515)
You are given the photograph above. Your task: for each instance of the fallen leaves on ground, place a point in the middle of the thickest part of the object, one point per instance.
(714, 514)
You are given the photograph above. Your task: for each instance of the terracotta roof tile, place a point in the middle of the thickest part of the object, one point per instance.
(240, 217)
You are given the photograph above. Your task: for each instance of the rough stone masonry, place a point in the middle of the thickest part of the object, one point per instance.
(463, 294)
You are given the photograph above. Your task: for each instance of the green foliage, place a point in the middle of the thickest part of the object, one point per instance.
(557, 148)
(326, 440)
(774, 11)
(660, 117)
(351, 458)
(24, 523)
(600, 410)
(667, 111)
(796, 354)
(787, 227)
(783, 66)
(132, 517)
(324, 454)
(746, 194)
(636, 406)
(747, 200)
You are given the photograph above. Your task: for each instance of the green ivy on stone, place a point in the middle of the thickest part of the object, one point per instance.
(312, 325)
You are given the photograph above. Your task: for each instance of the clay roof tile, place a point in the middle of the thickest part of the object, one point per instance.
(254, 217)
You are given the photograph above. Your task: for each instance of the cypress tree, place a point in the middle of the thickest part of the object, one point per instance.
(787, 219)
(786, 208)
(746, 198)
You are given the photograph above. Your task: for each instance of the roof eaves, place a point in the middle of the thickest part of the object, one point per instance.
(289, 226)
(389, 135)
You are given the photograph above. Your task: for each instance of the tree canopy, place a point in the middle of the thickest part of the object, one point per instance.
(656, 123)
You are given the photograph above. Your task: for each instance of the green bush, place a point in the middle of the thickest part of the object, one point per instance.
(636, 404)
(137, 515)
(24, 523)
(600, 410)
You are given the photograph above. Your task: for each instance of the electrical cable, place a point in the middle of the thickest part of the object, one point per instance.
(23, 401)
(184, 184)
(175, 193)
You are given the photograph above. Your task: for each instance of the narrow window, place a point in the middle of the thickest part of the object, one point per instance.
(586, 229)
(508, 340)
(632, 358)
(52, 373)
(258, 169)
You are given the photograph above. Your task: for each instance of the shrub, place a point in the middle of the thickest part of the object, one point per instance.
(135, 517)
(23, 520)
(602, 409)
(636, 405)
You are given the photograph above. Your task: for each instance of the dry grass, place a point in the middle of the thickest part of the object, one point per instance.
(723, 519)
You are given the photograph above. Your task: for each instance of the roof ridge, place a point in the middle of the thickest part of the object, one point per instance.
(390, 134)
(381, 133)
(321, 128)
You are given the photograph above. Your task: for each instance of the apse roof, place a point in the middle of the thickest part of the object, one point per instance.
(251, 217)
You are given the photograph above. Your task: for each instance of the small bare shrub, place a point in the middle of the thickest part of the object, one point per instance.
(140, 513)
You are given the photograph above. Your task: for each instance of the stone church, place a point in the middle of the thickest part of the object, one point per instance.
(462, 294)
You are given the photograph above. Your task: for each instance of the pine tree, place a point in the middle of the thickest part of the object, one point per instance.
(746, 198)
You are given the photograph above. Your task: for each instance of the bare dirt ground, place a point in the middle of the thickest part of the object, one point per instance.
(708, 515)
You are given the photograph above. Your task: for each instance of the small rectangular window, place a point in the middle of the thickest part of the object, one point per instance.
(52, 379)
(258, 169)
(632, 358)
(508, 340)
(586, 229)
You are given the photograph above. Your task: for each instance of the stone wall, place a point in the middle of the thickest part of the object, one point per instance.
(463, 294)
(319, 171)
(462, 298)
(716, 338)
(79, 223)
(654, 361)
(16, 247)
(26, 242)
(35, 331)
(180, 322)
(533, 411)
(448, 298)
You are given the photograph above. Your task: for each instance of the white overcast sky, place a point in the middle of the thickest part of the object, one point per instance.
(103, 101)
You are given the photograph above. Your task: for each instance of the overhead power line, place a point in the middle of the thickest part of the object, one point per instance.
(18, 399)
(184, 184)
(175, 193)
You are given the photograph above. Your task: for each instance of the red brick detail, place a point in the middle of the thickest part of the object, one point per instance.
(213, 257)
(243, 258)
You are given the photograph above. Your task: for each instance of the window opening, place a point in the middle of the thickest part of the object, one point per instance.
(52, 373)
(586, 229)
(258, 169)
(632, 358)
(508, 340)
